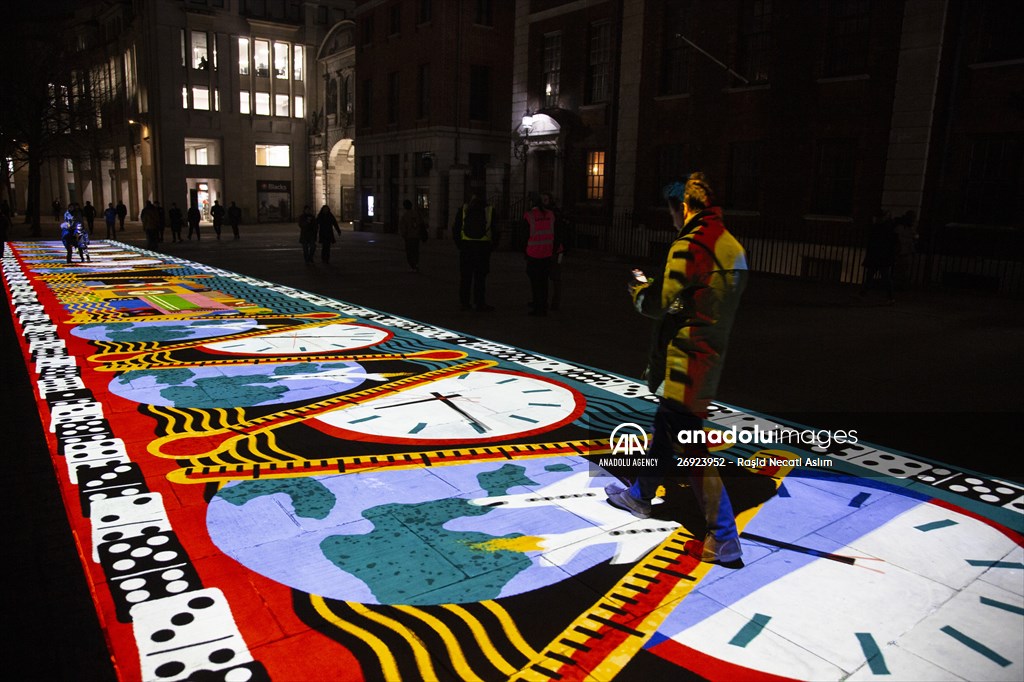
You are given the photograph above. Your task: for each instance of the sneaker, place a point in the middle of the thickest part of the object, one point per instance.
(713, 551)
(626, 502)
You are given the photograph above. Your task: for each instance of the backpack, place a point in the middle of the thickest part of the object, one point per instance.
(474, 223)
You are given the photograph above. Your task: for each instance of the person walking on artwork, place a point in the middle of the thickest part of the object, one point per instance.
(880, 255)
(693, 302)
(193, 217)
(327, 226)
(176, 219)
(413, 230)
(122, 213)
(307, 233)
(161, 218)
(541, 248)
(151, 225)
(475, 239)
(89, 213)
(234, 218)
(217, 213)
(110, 218)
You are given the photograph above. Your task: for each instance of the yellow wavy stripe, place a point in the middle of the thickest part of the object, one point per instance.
(454, 650)
(483, 640)
(419, 651)
(509, 626)
(388, 666)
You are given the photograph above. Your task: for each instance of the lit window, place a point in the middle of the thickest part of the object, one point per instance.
(201, 151)
(300, 106)
(280, 105)
(184, 97)
(201, 98)
(552, 68)
(200, 55)
(263, 104)
(243, 102)
(595, 175)
(261, 56)
(297, 61)
(216, 100)
(243, 56)
(273, 155)
(280, 60)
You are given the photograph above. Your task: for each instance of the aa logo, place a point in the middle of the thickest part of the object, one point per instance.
(628, 439)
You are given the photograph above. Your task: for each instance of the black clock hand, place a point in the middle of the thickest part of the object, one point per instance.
(480, 426)
(434, 396)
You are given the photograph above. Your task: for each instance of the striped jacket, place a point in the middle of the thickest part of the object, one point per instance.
(694, 301)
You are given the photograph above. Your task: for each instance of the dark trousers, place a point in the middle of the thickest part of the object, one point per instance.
(234, 229)
(152, 239)
(192, 228)
(412, 252)
(705, 481)
(538, 270)
(308, 251)
(110, 230)
(884, 271)
(474, 265)
(325, 252)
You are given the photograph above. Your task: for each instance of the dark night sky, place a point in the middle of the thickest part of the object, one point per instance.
(17, 11)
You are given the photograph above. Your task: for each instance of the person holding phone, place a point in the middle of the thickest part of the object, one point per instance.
(693, 302)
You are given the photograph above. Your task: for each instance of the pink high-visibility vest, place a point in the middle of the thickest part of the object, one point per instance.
(541, 243)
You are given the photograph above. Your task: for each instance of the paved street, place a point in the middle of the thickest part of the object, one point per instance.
(930, 377)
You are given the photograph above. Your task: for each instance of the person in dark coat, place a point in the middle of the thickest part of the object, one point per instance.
(110, 218)
(307, 233)
(174, 215)
(89, 213)
(122, 213)
(880, 254)
(327, 226)
(234, 218)
(217, 213)
(193, 216)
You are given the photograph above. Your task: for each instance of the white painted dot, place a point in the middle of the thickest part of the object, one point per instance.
(123, 564)
(990, 498)
(120, 547)
(176, 586)
(157, 540)
(941, 472)
(173, 574)
(133, 584)
(926, 479)
(165, 556)
(982, 489)
(238, 675)
(973, 481)
(137, 596)
(109, 476)
(127, 492)
(93, 484)
(1004, 491)
(958, 488)
(141, 552)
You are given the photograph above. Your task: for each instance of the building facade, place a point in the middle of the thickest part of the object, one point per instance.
(196, 101)
(431, 94)
(807, 117)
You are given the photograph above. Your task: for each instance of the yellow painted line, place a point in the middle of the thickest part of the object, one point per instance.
(483, 640)
(419, 650)
(510, 628)
(458, 659)
(388, 665)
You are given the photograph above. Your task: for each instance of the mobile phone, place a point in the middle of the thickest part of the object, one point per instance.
(639, 275)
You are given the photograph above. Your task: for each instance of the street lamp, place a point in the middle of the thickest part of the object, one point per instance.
(521, 148)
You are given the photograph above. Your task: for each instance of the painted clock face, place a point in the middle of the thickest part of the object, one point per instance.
(855, 579)
(479, 406)
(315, 339)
